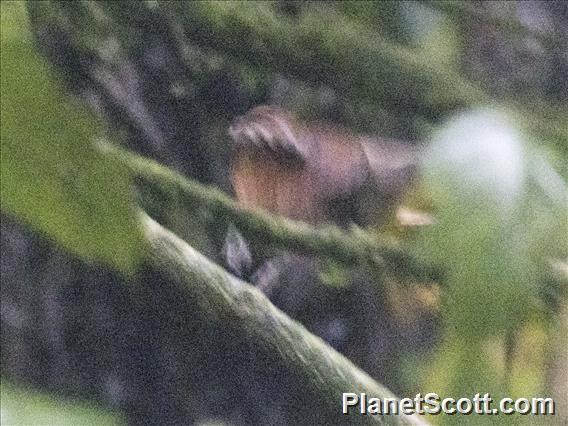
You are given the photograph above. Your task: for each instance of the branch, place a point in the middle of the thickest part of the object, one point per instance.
(465, 13)
(220, 296)
(355, 247)
(323, 46)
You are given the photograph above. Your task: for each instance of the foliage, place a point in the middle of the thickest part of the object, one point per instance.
(499, 204)
(21, 406)
(53, 177)
(482, 178)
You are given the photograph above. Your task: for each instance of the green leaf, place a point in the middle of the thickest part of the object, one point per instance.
(476, 172)
(21, 406)
(53, 177)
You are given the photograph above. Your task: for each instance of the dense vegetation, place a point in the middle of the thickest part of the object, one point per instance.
(115, 112)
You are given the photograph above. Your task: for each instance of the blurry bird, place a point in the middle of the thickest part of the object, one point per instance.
(317, 172)
(320, 173)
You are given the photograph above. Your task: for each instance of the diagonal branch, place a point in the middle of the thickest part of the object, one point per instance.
(354, 247)
(220, 296)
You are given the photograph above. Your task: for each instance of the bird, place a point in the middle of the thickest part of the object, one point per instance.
(317, 172)
(322, 173)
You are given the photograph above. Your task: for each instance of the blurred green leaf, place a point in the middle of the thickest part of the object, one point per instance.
(500, 219)
(53, 177)
(334, 275)
(476, 172)
(24, 407)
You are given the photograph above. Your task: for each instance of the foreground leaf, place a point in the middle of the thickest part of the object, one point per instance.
(53, 178)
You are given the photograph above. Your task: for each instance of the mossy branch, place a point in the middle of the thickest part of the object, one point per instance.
(354, 247)
(321, 45)
(219, 296)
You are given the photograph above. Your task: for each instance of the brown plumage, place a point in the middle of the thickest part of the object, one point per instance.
(315, 172)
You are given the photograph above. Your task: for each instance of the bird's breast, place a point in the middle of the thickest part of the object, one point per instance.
(262, 181)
